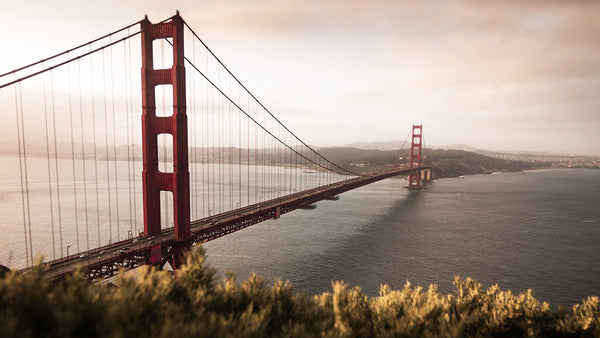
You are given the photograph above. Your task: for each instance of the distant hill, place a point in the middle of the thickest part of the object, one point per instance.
(395, 145)
(447, 163)
(389, 145)
(453, 163)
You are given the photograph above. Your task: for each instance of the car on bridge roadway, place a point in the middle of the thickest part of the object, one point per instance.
(119, 252)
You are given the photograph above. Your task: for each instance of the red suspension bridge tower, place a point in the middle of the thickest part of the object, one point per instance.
(414, 180)
(155, 181)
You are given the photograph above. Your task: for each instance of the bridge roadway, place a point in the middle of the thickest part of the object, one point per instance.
(106, 261)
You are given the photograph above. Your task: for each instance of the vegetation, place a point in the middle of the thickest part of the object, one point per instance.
(453, 163)
(192, 303)
(446, 163)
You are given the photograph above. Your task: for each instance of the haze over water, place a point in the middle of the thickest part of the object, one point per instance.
(539, 230)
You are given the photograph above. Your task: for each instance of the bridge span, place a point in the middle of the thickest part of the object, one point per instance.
(106, 261)
(214, 159)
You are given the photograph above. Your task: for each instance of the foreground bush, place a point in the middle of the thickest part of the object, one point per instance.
(193, 304)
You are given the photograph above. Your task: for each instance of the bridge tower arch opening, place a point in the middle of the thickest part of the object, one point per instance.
(154, 180)
(414, 179)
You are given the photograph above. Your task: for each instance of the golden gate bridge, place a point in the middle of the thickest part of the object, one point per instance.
(86, 187)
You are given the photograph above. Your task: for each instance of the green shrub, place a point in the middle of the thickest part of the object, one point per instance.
(192, 303)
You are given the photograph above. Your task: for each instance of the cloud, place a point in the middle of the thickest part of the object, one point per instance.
(471, 64)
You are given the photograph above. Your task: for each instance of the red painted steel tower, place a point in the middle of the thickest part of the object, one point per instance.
(414, 180)
(155, 181)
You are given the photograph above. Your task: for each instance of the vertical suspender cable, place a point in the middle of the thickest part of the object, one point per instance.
(221, 149)
(114, 139)
(214, 203)
(283, 165)
(195, 133)
(301, 169)
(23, 190)
(190, 142)
(248, 153)
(280, 176)
(26, 173)
(129, 141)
(315, 173)
(73, 158)
(272, 161)
(294, 164)
(48, 168)
(87, 234)
(191, 147)
(286, 162)
(210, 151)
(201, 131)
(290, 165)
(239, 149)
(263, 145)
(132, 138)
(95, 151)
(296, 167)
(262, 151)
(279, 166)
(106, 147)
(219, 137)
(203, 161)
(256, 156)
(230, 146)
(55, 164)
(269, 165)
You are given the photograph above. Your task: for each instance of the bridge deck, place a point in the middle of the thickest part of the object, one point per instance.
(106, 261)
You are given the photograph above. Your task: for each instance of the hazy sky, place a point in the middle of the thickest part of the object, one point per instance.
(499, 75)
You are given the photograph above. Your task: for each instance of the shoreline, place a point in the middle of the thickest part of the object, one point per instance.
(524, 171)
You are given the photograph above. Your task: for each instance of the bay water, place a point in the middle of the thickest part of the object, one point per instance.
(537, 229)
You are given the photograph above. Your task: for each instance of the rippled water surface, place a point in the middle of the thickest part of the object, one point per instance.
(539, 229)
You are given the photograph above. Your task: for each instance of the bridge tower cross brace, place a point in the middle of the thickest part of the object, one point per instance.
(414, 179)
(155, 181)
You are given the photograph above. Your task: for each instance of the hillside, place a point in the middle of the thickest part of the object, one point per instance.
(447, 163)
(453, 163)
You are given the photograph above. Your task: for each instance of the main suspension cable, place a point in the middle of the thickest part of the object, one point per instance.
(70, 50)
(403, 144)
(260, 103)
(344, 171)
(75, 58)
